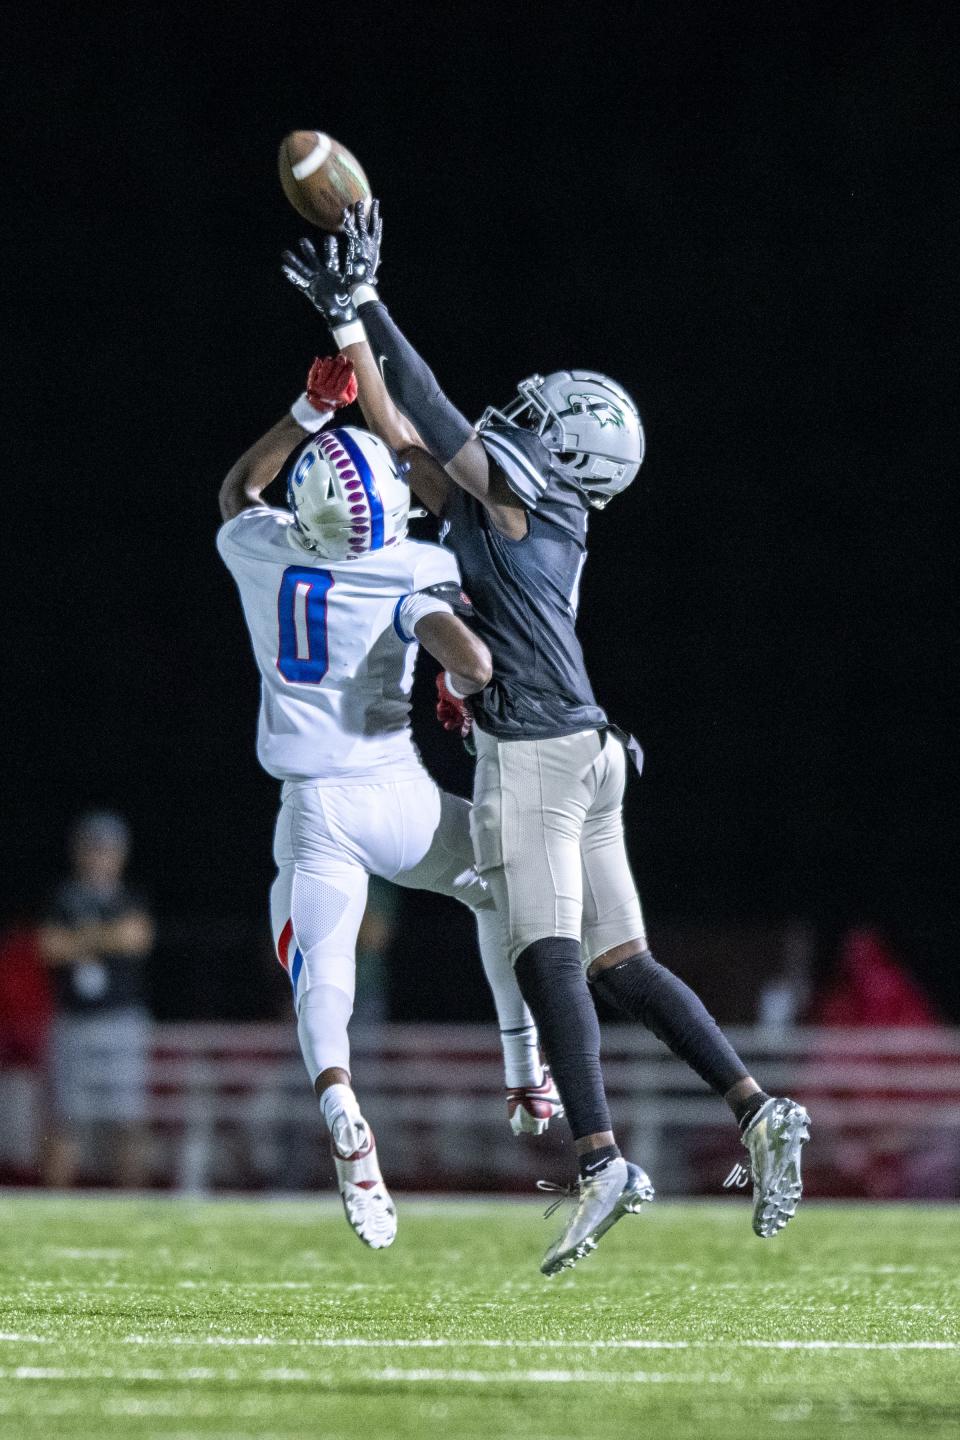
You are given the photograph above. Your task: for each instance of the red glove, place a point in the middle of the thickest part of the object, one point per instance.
(331, 383)
(452, 713)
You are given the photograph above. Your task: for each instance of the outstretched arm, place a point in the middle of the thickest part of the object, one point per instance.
(257, 467)
(327, 287)
(330, 384)
(447, 434)
(384, 419)
(393, 372)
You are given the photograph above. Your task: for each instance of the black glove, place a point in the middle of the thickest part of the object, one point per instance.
(325, 285)
(364, 233)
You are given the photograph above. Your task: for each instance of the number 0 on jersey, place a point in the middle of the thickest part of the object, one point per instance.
(302, 654)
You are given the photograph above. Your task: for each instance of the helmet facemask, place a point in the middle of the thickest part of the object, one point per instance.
(589, 425)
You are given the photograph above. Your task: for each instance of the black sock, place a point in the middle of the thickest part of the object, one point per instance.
(594, 1161)
(648, 992)
(744, 1110)
(551, 979)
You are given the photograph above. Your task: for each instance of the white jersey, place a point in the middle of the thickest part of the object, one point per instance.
(334, 654)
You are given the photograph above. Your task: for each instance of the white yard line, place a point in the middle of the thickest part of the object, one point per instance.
(554, 1377)
(452, 1343)
(72, 1252)
(848, 1344)
(362, 1342)
(284, 1376)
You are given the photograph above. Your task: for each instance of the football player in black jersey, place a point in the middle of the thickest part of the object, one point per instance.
(514, 494)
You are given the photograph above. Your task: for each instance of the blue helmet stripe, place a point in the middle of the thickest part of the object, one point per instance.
(362, 468)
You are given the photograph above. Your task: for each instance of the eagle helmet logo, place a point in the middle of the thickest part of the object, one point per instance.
(599, 407)
(588, 424)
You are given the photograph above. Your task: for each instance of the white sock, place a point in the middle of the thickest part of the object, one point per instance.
(521, 1056)
(518, 1034)
(341, 1111)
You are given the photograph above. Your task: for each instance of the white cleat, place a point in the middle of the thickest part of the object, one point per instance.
(774, 1137)
(530, 1108)
(366, 1200)
(619, 1189)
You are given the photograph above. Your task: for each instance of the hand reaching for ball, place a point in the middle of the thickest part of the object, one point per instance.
(364, 233)
(331, 383)
(323, 282)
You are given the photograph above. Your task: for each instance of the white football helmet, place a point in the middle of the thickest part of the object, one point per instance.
(348, 493)
(588, 423)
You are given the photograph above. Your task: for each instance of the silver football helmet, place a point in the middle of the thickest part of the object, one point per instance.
(348, 494)
(588, 423)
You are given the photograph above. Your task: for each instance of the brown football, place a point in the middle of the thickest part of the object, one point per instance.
(320, 177)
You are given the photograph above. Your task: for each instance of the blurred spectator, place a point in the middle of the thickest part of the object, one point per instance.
(870, 987)
(784, 995)
(25, 999)
(95, 940)
(25, 1009)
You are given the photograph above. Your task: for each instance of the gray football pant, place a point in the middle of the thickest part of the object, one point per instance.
(547, 827)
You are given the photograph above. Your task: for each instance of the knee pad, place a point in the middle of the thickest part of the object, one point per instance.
(554, 949)
(631, 978)
(547, 964)
(321, 968)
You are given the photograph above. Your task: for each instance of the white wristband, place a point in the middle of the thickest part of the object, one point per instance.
(307, 416)
(452, 688)
(363, 294)
(350, 334)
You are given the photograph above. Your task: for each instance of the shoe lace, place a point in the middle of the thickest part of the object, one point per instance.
(562, 1192)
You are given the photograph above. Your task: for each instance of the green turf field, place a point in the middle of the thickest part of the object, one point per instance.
(269, 1320)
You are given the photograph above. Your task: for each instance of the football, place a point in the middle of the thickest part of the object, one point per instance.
(320, 177)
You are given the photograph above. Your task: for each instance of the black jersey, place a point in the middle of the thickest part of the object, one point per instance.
(524, 592)
(524, 595)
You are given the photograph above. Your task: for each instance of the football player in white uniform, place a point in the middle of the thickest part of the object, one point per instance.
(336, 597)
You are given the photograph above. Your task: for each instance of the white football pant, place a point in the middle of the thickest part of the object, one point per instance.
(329, 839)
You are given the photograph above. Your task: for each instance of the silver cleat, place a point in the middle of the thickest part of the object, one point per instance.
(619, 1189)
(774, 1138)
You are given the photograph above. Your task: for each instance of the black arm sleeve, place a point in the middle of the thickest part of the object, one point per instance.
(413, 387)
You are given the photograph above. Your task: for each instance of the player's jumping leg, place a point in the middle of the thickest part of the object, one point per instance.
(626, 975)
(532, 1096)
(551, 977)
(448, 869)
(530, 803)
(317, 902)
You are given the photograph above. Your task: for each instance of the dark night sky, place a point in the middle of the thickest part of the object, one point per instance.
(742, 212)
